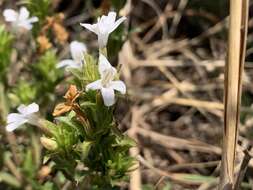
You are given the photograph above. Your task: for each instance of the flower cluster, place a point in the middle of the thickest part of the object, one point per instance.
(104, 26)
(85, 130)
(77, 49)
(25, 115)
(106, 84)
(21, 19)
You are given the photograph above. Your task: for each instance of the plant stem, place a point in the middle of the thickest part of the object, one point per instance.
(233, 85)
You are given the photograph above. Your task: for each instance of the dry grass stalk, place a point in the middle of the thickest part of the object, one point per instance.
(177, 17)
(176, 143)
(181, 178)
(243, 167)
(135, 178)
(234, 68)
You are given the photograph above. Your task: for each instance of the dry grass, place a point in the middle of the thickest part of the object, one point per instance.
(171, 77)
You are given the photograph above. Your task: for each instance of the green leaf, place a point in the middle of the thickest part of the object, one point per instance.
(39, 8)
(46, 67)
(29, 167)
(50, 126)
(124, 141)
(23, 93)
(87, 104)
(66, 164)
(116, 41)
(9, 179)
(4, 109)
(67, 120)
(49, 186)
(6, 40)
(84, 148)
(90, 69)
(46, 76)
(76, 72)
(167, 186)
(118, 4)
(66, 135)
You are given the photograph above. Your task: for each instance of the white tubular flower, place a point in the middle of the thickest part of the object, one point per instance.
(20, 19)
(25, 115)
(106, 84)
(77, 49)
(104, 26)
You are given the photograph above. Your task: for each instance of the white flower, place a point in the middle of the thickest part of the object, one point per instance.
(77, 49)
(104, 26)
(25, 115)
(106, 84)
(20, 19)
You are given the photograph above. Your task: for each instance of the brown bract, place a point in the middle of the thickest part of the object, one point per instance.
(44, 43)
(71, 95)
(60, 33)
(54, 23)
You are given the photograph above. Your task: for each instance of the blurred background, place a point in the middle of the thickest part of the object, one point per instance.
(172, 55)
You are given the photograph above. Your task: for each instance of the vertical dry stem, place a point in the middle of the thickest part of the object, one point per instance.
(135, 178)
(234, 68)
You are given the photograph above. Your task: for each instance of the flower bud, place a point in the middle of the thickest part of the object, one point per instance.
(48, 143)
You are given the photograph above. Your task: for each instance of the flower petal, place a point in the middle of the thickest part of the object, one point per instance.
(13, 117)
(119, 86)
(33, 19)
(26, 110)
(106, 23)
(10, 15)
(108, 96)
(116, 24)
(77, 49)
(21, 108)
(67, 63)
(23, 13)
(14, 125)
(111, 17)
(94, 85)
(25, 24)
(91, 27)
(104, 65)
(32, 108)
